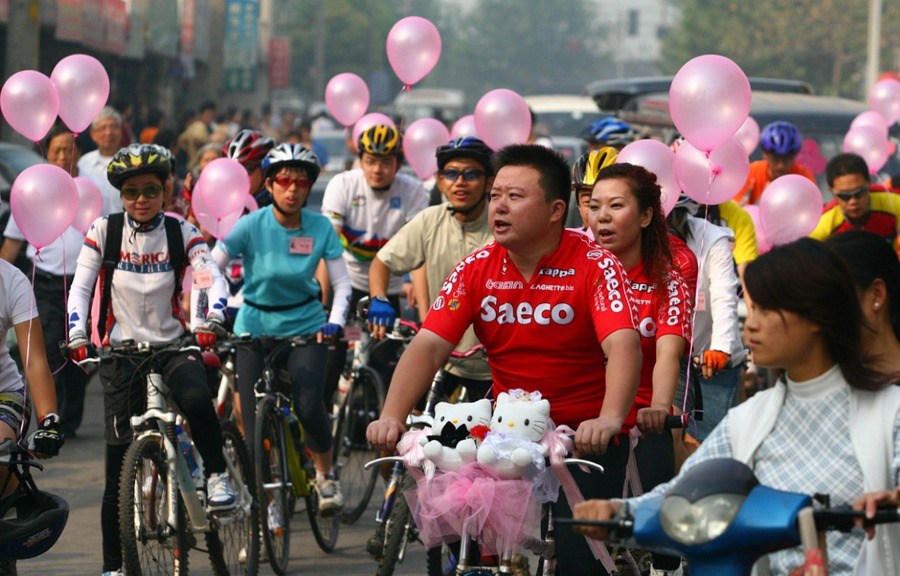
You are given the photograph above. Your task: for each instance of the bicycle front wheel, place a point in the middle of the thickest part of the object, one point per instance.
(397, 529)
(351, 449)
(325, 527)
(234, 546)
(150, 546)
(272, 484)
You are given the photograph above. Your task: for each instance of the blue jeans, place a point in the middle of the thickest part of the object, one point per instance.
(719, 394)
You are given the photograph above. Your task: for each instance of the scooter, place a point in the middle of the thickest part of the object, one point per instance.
(722, 520)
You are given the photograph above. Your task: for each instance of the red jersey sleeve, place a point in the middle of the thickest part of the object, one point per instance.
(686, 262)
(453, 310)
(673, 313)
(612, 307)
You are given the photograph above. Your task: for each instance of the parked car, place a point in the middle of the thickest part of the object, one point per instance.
(823, 120)
(563, 115)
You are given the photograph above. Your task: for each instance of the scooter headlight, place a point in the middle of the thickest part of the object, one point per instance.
(701, 521)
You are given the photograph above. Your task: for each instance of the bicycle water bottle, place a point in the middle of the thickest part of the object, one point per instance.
(187, 449)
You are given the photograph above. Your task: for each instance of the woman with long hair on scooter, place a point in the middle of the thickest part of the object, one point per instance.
(830, 425)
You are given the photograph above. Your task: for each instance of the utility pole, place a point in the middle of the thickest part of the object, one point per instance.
(22, 44)
(874, 43)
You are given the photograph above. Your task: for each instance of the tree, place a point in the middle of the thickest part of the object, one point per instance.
(820, 41)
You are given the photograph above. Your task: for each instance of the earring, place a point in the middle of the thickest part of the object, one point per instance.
(876, 305)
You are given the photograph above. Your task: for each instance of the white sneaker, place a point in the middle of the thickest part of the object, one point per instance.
(219, 492)
(114, 573)
(330, 498)
(273, 518)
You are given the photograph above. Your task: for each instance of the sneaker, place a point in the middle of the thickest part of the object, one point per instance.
(218, 488)
(273, 518)
(657, 572)
(114, 573)
(331, 500)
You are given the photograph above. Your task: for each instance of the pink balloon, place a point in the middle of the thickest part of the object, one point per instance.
(789, 208)
(30, 104)
(83, 86)
(251, 204)
(502, 117)
(870, 118)
(709, 99)
(90, 204)
(347, 98)
(413, 48)
(715, 179)
(464, 127)
(369, 120)
(420, 141)
(224, 185)
(659, 159)
(43, 200)
(762, 244)
(884, 98)
(869, 142)
(748, 134)
(218, 226)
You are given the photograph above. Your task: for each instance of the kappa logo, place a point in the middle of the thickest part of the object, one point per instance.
(556, 272)
(525, 313)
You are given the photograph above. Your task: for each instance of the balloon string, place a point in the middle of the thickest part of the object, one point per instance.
(74, 144)
(66, 317)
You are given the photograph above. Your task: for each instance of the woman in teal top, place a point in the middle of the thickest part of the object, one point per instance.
(281, 246)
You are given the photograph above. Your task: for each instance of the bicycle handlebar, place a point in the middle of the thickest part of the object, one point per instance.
(567, 461)
(130, 347)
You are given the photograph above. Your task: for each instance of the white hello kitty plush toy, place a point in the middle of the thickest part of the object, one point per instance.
(452, 447)
(512, 447)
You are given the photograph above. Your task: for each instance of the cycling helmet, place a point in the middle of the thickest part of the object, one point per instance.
(248, 147)
(467, 147)
(380, 140)
(31, 521)
(166, 153)
(287, 154)
(139, 159)
(586, 168)
(781, 138)
(609, 131)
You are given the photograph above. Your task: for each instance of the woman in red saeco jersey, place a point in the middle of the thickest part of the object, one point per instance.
(627, 219)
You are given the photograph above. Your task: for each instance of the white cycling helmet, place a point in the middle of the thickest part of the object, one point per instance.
(291, 155)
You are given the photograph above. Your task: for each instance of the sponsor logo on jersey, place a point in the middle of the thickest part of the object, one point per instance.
(595, 255)
(447, 288)
(395, 202)
(674, 301)
(612, 285)
(554, 287)
(438, 303)
(504, 284)
(453, 306)
(647, 327)
(525, 313)
(556, 272)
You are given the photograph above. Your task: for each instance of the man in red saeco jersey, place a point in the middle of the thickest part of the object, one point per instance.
(555, 314)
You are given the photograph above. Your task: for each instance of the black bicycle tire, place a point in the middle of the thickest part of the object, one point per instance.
(395, 530)
(131, 483)
(268, 427)
(225, 559)
(325, 538)
(436, 561)
(368, 383)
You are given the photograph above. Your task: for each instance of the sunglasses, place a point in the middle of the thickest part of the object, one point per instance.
(469, 175)
(853, 194)
(286, 181)
(148, 192)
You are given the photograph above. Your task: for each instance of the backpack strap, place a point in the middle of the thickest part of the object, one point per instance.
(177, 257)
(112, 251)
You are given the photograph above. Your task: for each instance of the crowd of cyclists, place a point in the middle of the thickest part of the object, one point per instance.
(619, 323)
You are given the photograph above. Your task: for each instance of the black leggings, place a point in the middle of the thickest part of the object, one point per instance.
(123, 396)
(655, 459)
(306, 365)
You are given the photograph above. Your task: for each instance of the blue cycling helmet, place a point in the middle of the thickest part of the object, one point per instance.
(781, 138)
(609, 131)
(467, 147)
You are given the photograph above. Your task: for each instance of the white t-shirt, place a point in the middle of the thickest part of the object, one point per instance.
(367, 219)
(142, 296)
(57, 257)
(16, 306)
(92, 165)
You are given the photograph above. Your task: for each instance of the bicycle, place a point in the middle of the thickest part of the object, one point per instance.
(284, 467)
(360, 405)
(544, 548)
(395, 526)
(162, 503)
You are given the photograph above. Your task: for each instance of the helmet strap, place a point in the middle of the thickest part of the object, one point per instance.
(469, 210)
